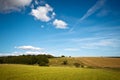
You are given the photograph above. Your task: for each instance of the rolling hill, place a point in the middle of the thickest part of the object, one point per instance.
(100, 62)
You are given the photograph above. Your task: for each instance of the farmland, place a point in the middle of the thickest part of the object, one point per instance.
(99, 62)
(33, 72)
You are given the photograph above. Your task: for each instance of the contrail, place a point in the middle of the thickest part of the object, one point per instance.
(99, 4)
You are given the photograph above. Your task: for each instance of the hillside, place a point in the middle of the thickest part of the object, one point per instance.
(103, 62)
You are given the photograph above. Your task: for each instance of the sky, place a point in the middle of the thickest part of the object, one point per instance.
(60, 27)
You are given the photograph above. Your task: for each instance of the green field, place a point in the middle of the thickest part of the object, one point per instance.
(28, 72)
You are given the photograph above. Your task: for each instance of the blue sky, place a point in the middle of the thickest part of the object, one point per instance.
(60, 27)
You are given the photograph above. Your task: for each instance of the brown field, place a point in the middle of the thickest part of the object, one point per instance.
(102, 62)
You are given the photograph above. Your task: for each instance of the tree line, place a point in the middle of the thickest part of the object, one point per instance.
(41, 60)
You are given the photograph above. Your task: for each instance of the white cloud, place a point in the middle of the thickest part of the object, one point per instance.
(41, 13)
(45, 14)
(98, 42)
(29, 48)
(95, 45)
(71, 49)
(104, 43)
(31, 53)
(53, 15)
(13, 5)
(60, 24)
(34, 52)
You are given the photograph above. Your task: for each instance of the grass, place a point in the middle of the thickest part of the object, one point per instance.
(28, 72)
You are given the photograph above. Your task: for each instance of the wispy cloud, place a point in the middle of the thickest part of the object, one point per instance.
(99, 4)
(71, 49)
(93, 9)
(97, 43)
(103, 12)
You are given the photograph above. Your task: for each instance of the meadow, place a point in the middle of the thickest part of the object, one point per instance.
(33, 72)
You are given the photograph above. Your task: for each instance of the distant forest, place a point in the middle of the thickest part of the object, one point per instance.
(41, 60)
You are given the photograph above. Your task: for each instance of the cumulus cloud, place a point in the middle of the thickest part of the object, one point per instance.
(60, 24)
(42, 13)
(45, 13)
(13, 5)
(29, 48)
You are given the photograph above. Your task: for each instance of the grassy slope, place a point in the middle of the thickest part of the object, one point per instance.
(88, 61)
(26, 72)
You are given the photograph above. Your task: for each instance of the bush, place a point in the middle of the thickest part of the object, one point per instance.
(65, 62)
(77, 64)
(43, 64)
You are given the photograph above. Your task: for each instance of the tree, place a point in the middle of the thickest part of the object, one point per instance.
(62, 56)
(42, 61)
(1, 60)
